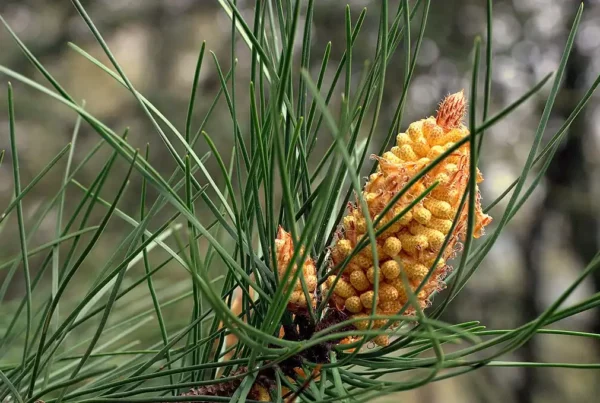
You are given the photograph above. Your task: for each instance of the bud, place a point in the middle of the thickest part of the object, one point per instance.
(284, 250)
(452, 110)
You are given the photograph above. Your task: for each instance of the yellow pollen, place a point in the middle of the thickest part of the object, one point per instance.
(382, 340)
(415, 130)
(354, 305)
(359, 280)
(421, 215)
(413, 244)
(414, 239)
(342, 288)
(392, 246)
(387, 292)
(407, 153)
(390, 269)
(361, 324)
(438, 208)
(367, 299)
(390, 307)
(401, 139)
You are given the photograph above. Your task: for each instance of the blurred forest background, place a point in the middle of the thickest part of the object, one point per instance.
(157, 42)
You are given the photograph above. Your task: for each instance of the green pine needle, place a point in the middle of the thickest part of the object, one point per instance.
(188, 293)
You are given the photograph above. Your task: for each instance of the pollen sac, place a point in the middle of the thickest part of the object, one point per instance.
(413, 244)
(399, 286)
(391, 157)
(361, 226)
(401, 139)
(416, 190)
(415, 130)
(260, 393)
(359, 280)
(363, 261)
(382, 340)
(422, 215)
(435, 152)
(342, 288)
(409, 247)
(298, 298)
(387, 292)
(354, 305)
(378, 323)
(390, 269)
(440, 224)
(368, 253)
(361, 324)
(344, 247)
(392, 246)
(433, 133)
(435, 238)
(439, 208)
(415, 270)
(390, 307)
(349, 223)
(351, 267)
(405, 219)
(407, 153)
(371, 275)
(367, 299)
(311, 283)
(421, 147)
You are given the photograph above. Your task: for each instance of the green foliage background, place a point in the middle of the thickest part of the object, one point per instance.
(243, 161)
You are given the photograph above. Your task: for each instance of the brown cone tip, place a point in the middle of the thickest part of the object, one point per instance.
(452, 110)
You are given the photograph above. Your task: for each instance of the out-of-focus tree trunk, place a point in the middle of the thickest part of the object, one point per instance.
(568, 185)
(569, 179)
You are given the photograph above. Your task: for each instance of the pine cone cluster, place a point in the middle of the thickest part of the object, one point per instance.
(412, 243)
(407, 248)
(284, 249)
